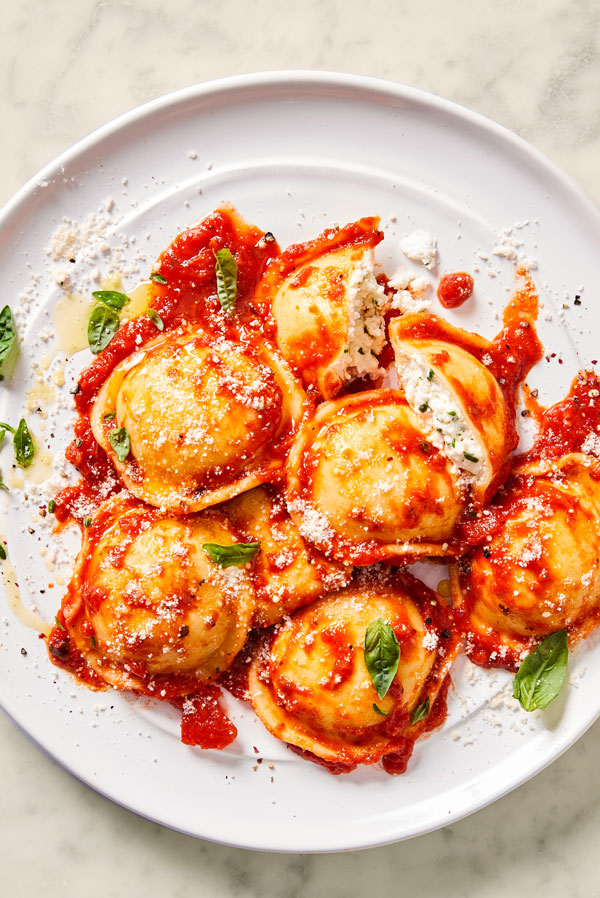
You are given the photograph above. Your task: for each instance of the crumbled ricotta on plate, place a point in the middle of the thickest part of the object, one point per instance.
(421, 246)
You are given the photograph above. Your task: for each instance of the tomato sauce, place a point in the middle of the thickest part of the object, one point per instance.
(454, 289)
(204, 723)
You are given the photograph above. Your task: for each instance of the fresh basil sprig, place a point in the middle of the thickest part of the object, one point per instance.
(227, 271)
(228, 556)
(155, 319)
(9, 345)
(102, 326)
(119, 440)
(114, 299)
(542, 674)
(421, 711)
(158, 278)
(23, 445)
(382, 655)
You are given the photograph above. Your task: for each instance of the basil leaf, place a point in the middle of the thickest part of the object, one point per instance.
(227, 271)
(3, 430)
(2, 552)
(114, 299)
(23, 445)
(109, 416)
(379, 711)
(155, 319)
(228, 556)
(119, 440)
(102, 326)
(3, 486)
(9, 345)
(420, 712)
(158, 278)
(382, 654)
(542, 674)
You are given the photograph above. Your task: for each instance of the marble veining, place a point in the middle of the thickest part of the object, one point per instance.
(68, 67)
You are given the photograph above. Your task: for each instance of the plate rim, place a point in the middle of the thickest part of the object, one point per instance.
(317, 80)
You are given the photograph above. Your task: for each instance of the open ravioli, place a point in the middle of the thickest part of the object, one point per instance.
(539, 569)
(328, 307)
(147, 605)
(460, 403)
(311, 687)
(287, 572)
(193, 419)
(365, 483)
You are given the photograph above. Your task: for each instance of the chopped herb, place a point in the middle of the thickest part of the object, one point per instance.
(470, 457)
(23, 445)
(155, 319)
(3, 486)
(379, 711)
(233, 555)
(111, 298)
(420, 712)
(430, 375)
(227, 271)
(58, 624)
(102, 326)
(158, 278)
(93, 639)
(87, 521)
(51, 506)
(452, 414)
(424, 407)
(2, 552)
(109, 416)
(382, 655)
(119, 440)
(9, 345)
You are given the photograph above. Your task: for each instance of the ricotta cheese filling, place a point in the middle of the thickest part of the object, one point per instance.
(446, 425)
(366, 304)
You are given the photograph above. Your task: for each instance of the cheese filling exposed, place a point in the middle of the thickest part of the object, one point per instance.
(447, 427)
(366, 302)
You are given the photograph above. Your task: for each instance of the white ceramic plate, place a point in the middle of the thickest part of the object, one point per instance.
(294, 152)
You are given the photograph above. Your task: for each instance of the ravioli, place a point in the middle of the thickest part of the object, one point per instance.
(205, 418)
(311, 687)
(460, 403)
(146, 603)
(365, 484)
(540, 570)
(328, 307)
(287, 572)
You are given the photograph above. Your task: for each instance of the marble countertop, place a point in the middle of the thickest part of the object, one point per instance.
(68, 67)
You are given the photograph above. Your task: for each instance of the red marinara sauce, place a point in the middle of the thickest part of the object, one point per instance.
(204, 722)
(454, 289)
